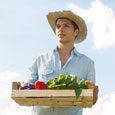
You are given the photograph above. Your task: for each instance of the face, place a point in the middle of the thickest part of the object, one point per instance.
(65, 31)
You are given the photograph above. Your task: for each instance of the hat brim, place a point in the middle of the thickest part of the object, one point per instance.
(53, 16)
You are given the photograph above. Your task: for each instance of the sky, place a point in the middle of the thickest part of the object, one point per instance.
(25, 32)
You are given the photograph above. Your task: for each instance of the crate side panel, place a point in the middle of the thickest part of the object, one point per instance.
(49, 93)
(56, 102)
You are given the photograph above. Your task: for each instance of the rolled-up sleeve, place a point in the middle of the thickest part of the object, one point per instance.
(91, 72)
(33, 71)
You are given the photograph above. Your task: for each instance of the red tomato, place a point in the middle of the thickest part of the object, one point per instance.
(40, 85)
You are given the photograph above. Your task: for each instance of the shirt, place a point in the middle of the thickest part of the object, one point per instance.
(46, 66)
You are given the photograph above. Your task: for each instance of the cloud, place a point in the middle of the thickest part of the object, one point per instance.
(104, 106)
(8, 76)
(103, 23)
(7, 105)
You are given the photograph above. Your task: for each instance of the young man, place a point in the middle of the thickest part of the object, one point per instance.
(64, 59)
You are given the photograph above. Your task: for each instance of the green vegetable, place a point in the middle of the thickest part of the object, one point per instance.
(51, 82)
(61, 86)
(78, 92)
(61, 79)
(72, 85)
(83, 84)
(68, 82)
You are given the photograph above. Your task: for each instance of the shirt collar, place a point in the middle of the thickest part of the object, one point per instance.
(74, 51)
(55, 51)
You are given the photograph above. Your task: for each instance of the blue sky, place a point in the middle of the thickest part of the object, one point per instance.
(25, 32)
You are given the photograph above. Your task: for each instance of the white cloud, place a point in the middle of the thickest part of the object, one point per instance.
(103, 22)
(104, 106)
(8, 76)
(7, 105)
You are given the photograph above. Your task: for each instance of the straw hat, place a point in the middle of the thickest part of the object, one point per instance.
(52, 16)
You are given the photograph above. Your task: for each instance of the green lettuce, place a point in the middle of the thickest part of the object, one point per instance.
(68, 82)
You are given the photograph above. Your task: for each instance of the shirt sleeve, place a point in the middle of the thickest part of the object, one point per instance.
(91, 72)
(33, 71)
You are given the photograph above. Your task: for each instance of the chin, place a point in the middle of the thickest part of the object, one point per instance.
(62, 41)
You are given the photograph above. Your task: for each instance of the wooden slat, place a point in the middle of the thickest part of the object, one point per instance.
(15, 85)
(67, 99)
(49, 93)
(51, 102)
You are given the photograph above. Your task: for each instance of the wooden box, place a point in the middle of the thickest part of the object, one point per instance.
(54, 98)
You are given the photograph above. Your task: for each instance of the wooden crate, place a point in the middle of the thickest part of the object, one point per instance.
(55, 98)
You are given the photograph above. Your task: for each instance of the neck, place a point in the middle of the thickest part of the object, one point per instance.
(65, 49)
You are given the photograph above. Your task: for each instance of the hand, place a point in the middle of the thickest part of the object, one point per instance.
(18, 85)
(95, 94)
(90, 85)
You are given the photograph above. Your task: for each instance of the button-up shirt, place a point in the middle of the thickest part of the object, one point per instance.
(46, 66)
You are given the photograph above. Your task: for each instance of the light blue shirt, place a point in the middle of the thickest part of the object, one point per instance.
(47, 65)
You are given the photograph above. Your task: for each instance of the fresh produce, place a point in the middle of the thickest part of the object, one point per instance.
(67, 82)
(26, 85)
(62, 82)
(40, 85)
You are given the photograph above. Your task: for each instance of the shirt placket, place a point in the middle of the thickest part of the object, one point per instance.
(63, 70)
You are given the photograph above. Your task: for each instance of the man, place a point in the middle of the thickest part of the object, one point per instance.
(64, 59)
